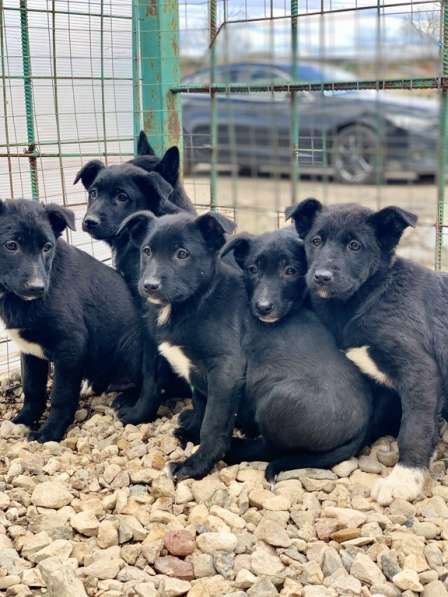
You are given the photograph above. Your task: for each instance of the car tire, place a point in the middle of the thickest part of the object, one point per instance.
(355, 155)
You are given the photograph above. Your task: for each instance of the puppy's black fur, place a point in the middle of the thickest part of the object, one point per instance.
(66, 308)
(119, 190)
(115, 192)
(371, 298)
(312, 405)
(202, 306)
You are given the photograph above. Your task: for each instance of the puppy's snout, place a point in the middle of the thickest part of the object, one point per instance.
(264, 307)
(90, 223)
(151, 284)
(35, 287)
(323, 276)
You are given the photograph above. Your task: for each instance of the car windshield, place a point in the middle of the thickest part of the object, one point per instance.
(311, 73)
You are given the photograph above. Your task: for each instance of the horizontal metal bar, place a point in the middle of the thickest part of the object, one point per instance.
(71, 13)
(70, 141)
(411, 83)
(322, 12)
(67, 78)
(22, 154)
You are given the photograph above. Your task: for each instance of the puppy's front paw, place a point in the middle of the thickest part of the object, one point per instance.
(404, 482)
(123, 401)
(185, 435)
(45, 434)
(191, 468)
(271, 472)
(26, 417)
(130, 415)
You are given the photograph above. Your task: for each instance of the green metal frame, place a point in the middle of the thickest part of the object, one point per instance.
(157, 31)
(443, 144)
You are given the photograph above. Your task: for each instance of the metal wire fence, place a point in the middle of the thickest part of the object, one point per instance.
(269, 100)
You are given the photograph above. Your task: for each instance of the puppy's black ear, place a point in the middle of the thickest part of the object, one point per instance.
(156, 191)
(239, 246)
(389, 224)
(136, 225)
(60, 217)
(89, 172)
(168, 167)
(214, 226)
(143, 145)
(304, 214)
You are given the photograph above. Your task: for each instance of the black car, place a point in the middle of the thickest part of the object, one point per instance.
(355, 136)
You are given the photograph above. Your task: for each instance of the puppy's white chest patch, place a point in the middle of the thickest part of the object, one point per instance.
(25, 346)
(177, 359)
(361, 358)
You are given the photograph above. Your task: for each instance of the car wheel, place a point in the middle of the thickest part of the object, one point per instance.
(355, 155)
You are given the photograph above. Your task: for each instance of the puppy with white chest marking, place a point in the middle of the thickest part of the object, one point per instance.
(312, 406)
(116, 192)
(62, 306)
(200, 334)
(392, 311)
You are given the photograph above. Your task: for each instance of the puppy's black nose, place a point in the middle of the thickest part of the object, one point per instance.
(90, 223)
(264, 307)
(323, 276)
(35, 288)
(151, 285)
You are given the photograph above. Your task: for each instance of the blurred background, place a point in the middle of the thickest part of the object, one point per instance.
(270, 102)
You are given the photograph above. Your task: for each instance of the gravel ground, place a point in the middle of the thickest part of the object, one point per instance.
(97, 515)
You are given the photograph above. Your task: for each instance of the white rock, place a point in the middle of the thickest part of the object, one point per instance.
(366, 571)
(51, 494)
(85, 523)
(60, 578)
(104, 568)
(173, 587)
(408, 580)
(211, 542)
(61, 548)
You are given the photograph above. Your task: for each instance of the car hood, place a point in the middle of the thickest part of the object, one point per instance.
(403, 104)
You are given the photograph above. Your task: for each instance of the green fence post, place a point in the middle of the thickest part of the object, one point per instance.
(28, 91)
(213, 106)
(160, 71)
(443, 142)
(295, 130)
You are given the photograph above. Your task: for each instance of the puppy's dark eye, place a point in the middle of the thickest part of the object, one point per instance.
(93, 194)
(354, 245)
(11, 245)
(182, 253)
(290, 271)
(317, 241)
(47, 247)
(122, 196)
(252, 269)
(147, 251)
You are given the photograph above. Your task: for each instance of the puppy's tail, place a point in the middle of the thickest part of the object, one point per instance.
(257, 449)
(386, 412)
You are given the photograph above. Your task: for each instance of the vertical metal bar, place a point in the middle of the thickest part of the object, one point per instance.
(135, 75)
(28, 91)
(160, 71)
(295, 130)
(56, 101)
(5, 101)
(443, 143)
(103, 93)
(214, 107)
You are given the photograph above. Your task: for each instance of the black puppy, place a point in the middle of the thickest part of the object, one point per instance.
(201, 304)
(391, 311)
(64, 307)
(119, 190)
(313, 407)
